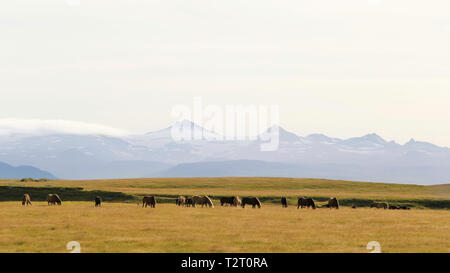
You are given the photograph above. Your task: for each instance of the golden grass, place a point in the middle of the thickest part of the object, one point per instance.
(260, 186)
(120, 227)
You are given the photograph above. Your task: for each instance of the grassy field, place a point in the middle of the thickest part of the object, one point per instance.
(121, 225)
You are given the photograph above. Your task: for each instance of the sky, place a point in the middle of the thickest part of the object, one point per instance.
(342, 68)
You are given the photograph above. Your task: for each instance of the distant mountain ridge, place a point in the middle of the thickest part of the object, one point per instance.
(366, 158)
(10, 172)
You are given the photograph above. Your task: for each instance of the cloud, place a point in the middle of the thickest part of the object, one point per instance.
(10, 126)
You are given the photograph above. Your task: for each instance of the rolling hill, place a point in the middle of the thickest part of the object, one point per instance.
(10, 172)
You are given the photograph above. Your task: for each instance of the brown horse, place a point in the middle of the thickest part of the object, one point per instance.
(189, 202)
(149, 200)
(305, 202)
(26, 199)
(333, 203)
(202, 200)
(378, 205)
(254, 201)
(53, 199)
(284, 202)
(232, 201)
(181, 200)
(98, 201)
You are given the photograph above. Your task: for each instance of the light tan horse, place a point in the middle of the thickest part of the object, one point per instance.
(202, 200)
(237, 201)
(181, 200)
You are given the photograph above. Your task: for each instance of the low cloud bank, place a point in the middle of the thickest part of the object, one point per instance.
(10, 126)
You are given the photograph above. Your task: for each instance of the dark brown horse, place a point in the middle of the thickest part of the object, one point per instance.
(284, 202)
(149, 200)
(26, 199)
(189, 202)
(232, 201)
(378, 205)
(98, 201)
(254, 201)
(202, 200)
(53, 199)
(305, 202)
(333, 203)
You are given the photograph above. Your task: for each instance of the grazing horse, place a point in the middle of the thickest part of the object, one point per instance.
(98, 201)
(53, 199)
(254, 201)
(237, 201)
(26, 199)
(305, 202)
(181, 200)
(189, 202)
(202, 200)
(333, 203)
(378, 205)
(149, 200)
(284, 202)
(232, 201)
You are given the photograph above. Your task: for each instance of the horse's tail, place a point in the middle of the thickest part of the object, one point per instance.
(209, 201)
(258, 202)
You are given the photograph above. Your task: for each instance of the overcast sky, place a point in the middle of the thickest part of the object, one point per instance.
(343, 68)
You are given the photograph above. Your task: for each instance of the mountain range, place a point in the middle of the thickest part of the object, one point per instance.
(10, 172)
(157, 154)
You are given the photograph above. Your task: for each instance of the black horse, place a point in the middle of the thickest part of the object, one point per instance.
(98, 201)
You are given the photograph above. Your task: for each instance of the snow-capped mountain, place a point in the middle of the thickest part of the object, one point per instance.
(366, 158)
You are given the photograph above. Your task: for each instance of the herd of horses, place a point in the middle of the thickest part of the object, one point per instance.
(236, 201)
